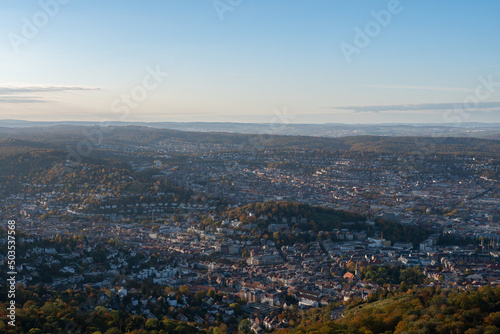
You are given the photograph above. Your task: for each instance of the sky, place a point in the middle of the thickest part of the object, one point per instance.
(322, 61)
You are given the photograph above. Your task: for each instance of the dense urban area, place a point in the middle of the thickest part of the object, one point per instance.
(176, 232)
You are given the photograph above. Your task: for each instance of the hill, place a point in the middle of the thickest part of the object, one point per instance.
(70, 135)
(425, 310)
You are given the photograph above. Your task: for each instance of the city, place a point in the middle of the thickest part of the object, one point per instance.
(258, 234)
(249, 167)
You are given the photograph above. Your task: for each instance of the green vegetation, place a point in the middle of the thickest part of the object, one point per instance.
(136, 135)
(426, 310)
(298, 222)
(406, 277)
(302, 216)
(81, 312)
(417, 310)
(402, 233)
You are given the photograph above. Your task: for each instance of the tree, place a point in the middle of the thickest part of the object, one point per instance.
(35, 331)
(469, 272)
(236, 307)
(244, 326)
(493, 319)
(223, 328)
(492, 330)
(151, 323)
(184, 289)
(113, 330)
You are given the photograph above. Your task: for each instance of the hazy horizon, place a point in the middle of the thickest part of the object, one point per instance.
(395, 62)
(106, 122)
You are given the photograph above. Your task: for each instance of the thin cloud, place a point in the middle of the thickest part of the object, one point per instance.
(21, 100)
(420, 107)
(439, 89)
(9, 94)
(39, 89)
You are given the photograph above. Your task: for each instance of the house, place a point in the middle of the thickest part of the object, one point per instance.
(255, 328)
(308, 298)
(349, 276)
(270, 323)
(172, 302)
(122, 292)
(182, 317)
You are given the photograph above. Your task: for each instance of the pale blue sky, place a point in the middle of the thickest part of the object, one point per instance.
(264, 55)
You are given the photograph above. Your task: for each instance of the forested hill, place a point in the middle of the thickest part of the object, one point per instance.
(416, 310)
(34, 166)
(303, 216)
(424, 310)
(63, 136)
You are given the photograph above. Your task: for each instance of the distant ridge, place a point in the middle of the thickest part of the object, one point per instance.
(63, 136)
(472, 130)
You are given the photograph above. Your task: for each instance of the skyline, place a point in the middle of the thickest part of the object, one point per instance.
(241, 61)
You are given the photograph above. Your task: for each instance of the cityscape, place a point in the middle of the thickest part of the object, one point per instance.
(249, 167)
(210, 231)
